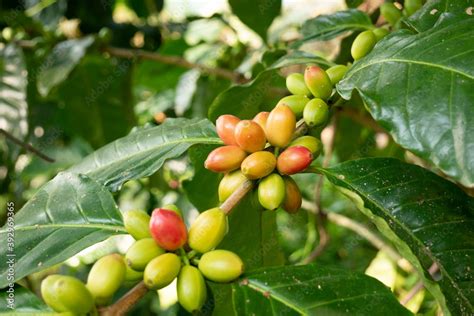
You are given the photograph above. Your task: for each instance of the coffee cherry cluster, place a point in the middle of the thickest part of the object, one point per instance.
(157, 257)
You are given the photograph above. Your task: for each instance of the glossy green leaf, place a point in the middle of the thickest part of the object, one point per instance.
(300, 57)
(60, 62)
(312, 290)
(326, 27)
(23, 302)
(256, 14)
(143, 152)
(429, 219)
(420, 88)
(48, 13)
(68, 214)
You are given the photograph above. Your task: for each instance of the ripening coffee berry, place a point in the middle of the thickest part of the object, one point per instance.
(66, 294)
(261, 119)
(312, 143)
(106, 276)
(295, 84)
(208, 230)
(258, 165)
(271, 191)
(250, 136)
(230, 183)
(296, 103)
(221, 266)
(316, 113)
(280, 126)
(390, 13)
(174, 208)
(411, 6)
(191, 288)
(363, 44)
(293, 197)
(294, 159)
(336, 73)
(225, 126)
(133, 276)
(161, 271)
(141, 252)
(167, 229)
(318, 82)
(380, 33)
(136, 223)
(225, 159)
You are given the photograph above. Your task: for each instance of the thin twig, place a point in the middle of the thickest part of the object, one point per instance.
(126, 302)
(236, 196)
(419, 286)
(177, 61)
(26, 146)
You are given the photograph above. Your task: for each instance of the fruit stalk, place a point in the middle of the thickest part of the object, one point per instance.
(236, 196)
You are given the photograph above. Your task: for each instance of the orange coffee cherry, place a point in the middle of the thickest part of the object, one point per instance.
(250, 136)
(258, 165)
(261, 119)
(280, 126)
(225, 126)
(225, 159)
(293, 199)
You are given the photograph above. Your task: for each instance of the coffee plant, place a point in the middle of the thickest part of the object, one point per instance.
(173, 158)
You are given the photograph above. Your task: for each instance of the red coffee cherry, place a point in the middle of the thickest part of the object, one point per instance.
(167, 229)
(225, 159)
(250, 136)
(225, 126)
(294, 159)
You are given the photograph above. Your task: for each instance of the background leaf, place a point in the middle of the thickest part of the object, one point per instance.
(68, 214)
(420, 88)
(312, 290)
(428, 218)
(25, 302)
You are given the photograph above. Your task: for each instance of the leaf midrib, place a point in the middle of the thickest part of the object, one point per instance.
(89, 226)
(341, 27)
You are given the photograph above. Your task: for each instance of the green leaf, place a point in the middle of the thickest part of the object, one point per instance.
(60, 62)
(143, 152)
(312, 290)
(326, 27)
(48, 13)
(420, 88)
(300, 57)
(24, 302)
(429, 14)
(428, 218)
(68, 214)
(256, 14)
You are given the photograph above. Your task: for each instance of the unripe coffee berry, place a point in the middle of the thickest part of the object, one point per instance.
(221, 266)
(225, 127)
(168, 229)
(363, 44)
(294, 159)
(106, 276)
(296, 103)
(390, 13)
(258, 165)
(280, 126)
(174, 208)
(293, 197)
(136, 223)
(161, 271)
(66, 294)
(295, 84)
(132, 276)
(312, 143)
(336, 73)
(250, 136)
(225, 159)
(208, 230)
(316, 112)
(318, 82)
(271, 191)
(380, 33)
(230, 183)
(411, 6)
(261, 119)
(141, 252)
(191, 288)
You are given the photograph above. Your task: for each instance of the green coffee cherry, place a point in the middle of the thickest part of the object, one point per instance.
(271, 191)
(336, 73)
(229, 184)
(66, 294)
(258, 165)
(312, 143)
(106, 276)
(363, 44)
(191, 288)
(390, 13)
(141, 252)
(295, 84)
(316, 112)
(221, 266)
(296, 103)
(318, 82)
(136, 223)
(380, 33)
(161, 271)
(411, 6)
(133, 275)
(208, 230)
